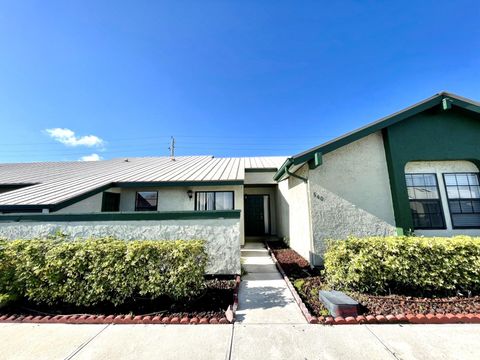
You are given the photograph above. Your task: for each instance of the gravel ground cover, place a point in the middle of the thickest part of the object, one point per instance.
(211, 303)
(308, 282)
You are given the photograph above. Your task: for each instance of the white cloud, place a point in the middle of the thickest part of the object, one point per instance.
(68, 137)
(92, 157)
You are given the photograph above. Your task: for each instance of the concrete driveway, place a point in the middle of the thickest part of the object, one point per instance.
(239, 341)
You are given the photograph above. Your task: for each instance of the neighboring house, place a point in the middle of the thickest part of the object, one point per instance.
(414, 171)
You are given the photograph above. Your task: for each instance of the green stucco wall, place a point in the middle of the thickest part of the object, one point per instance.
(435, 134)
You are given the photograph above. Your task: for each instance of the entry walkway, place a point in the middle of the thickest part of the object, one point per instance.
(264, 297)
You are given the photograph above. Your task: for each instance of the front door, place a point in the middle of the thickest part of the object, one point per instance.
(256, 222)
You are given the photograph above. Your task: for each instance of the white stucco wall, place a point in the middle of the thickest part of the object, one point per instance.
(88, 205)
(169, 199)
(293, 215)
(283, 211)
(222, 236)
(176, 199)
(350, 193)
(439, 168)
(255, 178)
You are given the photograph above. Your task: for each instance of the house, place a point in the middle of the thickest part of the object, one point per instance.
(416, 171)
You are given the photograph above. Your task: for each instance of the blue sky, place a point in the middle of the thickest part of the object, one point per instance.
(227, 78)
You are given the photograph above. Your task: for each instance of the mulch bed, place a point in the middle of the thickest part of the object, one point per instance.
(308, 282)
(210, 307)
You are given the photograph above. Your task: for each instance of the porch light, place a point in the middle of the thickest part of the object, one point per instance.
(190, 194)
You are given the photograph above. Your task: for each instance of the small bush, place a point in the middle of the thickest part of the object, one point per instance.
(404, 264)
(88, 272)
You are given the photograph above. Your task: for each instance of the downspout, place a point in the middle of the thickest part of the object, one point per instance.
(305, 180)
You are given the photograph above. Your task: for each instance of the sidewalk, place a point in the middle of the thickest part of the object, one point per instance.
(241, 342)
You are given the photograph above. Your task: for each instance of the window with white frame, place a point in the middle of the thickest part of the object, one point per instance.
(463, 193)
(425, 201)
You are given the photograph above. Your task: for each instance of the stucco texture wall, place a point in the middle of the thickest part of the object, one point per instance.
(170, 198)
(350, 194)
(176, 199)
(293, 216)
(222, 236)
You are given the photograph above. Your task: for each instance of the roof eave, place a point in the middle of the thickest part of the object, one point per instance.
(384, 122)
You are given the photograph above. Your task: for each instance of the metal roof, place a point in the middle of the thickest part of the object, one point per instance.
(54, 183)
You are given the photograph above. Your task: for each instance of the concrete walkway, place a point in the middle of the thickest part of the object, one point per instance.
(239, 341)
(264, 297)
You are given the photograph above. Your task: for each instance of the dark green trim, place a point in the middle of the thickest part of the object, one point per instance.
(378, 125)
(262, 170)
(316, 161)
(247, 186)
(125, 216)
(435, 135)
(15, 186)
(282, 171)
(73, 200)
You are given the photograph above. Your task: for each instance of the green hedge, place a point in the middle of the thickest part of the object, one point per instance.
(404, 264)
(92, 271)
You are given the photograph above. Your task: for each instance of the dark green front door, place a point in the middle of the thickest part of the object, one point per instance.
(254, 215)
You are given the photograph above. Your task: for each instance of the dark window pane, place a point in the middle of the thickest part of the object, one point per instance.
(466, 206)
(476, 206)
(436, 220)
(427, 214)
(455, 206)
(146, 201)
(466, 220)
(432, 207)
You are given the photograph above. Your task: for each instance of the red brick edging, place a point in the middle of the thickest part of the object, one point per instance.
(111, 319)
(370, 319)
(127, 319)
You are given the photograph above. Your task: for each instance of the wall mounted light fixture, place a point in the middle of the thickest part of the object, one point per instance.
(190, 194)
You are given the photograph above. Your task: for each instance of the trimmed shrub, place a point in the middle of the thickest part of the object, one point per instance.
(92, 271)
(404, 264)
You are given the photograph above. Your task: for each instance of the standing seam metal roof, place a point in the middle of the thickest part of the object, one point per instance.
(56, 182)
